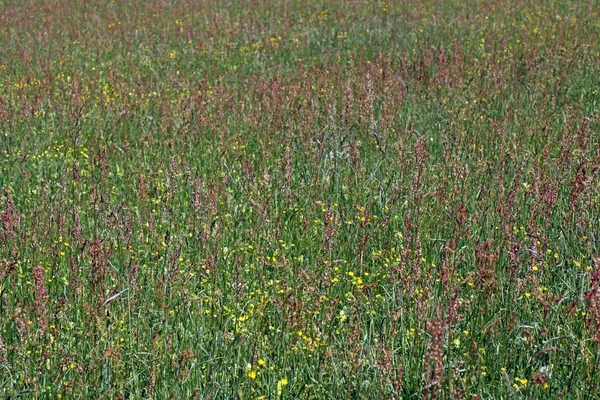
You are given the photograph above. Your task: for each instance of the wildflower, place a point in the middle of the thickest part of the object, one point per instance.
(252, 374)
(41, 293)
(280, 386)
(522, 381)
(261, 362)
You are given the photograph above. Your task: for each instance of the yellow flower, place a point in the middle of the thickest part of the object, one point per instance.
(280, 386)
(261, 362)
(252, 374)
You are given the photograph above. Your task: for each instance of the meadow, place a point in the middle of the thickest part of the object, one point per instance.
(205, 199)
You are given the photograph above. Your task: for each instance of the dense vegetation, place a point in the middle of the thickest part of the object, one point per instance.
(300, 199)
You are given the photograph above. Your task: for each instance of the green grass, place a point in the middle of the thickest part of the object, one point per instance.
(300, 199)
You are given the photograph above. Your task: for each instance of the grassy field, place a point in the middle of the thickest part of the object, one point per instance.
(300, 199)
